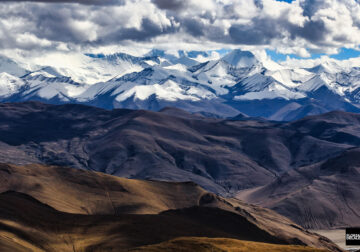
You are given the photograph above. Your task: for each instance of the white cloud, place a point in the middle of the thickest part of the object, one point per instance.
(303, 27)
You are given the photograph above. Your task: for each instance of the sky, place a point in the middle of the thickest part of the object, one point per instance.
(297, 29)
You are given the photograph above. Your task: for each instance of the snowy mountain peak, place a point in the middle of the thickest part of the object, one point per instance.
(240, 59)
(9, 84)
(156, 52)
(327, 67)
(193, 54)
(191, 80)
(11, 67)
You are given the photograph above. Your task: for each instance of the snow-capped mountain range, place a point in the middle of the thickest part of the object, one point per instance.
(237, 83)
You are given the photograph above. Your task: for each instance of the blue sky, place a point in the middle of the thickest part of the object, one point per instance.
(343, 54)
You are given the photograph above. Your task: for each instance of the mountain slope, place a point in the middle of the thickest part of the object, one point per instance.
(219, 155)
(333, 183)
(48, 224)
(223, 156)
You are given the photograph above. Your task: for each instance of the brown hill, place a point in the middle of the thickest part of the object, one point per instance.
(62, 209)
(320, 196)
(220, 155)
(220, 245)
(30, 223)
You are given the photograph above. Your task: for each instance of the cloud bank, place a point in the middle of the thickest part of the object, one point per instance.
(302, 27)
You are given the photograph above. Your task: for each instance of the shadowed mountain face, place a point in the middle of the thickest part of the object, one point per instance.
(172, 145)
(74, 210)
(322, 195)
(223, 156)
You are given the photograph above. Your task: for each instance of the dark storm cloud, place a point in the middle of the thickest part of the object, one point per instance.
(193, 27)
(260, 32)
(259, 3)
(313, 31)
(148, 30)
(74, 26)
(170, 4)
(263, 30)
(54, 25)
(310, 7)
(242, 34)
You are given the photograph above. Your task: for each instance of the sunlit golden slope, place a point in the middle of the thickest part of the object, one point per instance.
(199, 244)
(63, 209)
(84, 192)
